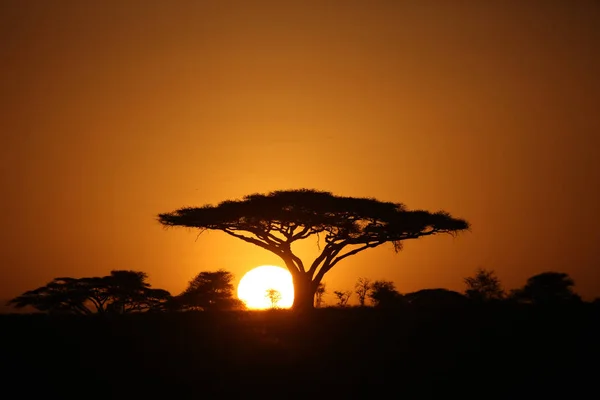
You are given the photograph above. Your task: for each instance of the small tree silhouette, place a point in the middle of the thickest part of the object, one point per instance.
(362, 290)
(384, 294)
(484, 286)
(319, 293)
(343, 297)
(274, 296)
(129, 291)
(547, 288)
(210, 290)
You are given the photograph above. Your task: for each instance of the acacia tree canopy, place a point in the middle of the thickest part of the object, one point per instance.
(348, 225)
(121, 292)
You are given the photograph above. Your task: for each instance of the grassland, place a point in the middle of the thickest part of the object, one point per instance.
(473, 352)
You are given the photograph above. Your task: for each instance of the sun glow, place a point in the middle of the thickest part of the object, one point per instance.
(267, 286)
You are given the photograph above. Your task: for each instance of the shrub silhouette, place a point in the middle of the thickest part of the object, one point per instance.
(484, 286)
(547, 288)
(342, 296)
(362, 288)
(274, 297)
(435, 298)
(384, 294)
(210, 290)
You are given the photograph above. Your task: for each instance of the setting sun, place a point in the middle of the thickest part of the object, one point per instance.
(266, 287)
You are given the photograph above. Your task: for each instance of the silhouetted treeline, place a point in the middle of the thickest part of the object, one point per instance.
(537, 341)
(128, 291)
(547, 288)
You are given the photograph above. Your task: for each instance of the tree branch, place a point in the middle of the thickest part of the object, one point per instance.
(97, 303)
(356, 250)
(303, 234)
(327, 251)
(332, 260)
(265, 245)
(297, 261)
(266, 236)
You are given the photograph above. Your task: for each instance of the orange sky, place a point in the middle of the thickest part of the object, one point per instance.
(113, 112)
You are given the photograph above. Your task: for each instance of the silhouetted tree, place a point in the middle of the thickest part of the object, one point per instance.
(320, 292)
(210, 290)
(274, 297)
(343, 297)
(63, 295)
(383, 294)
(119, 292)
(129, 292)
(362, 289)
(484, 286)
(435, 298)
(348, 225)
(547, 288)
(149, 299)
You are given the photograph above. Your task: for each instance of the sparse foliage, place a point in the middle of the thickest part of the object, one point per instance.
(484, 286)
(362, 290)
(320, 292)
(342, 297)
(384, 294)
(210, 290)
(274, 297)
(119, 292)
(347, 225)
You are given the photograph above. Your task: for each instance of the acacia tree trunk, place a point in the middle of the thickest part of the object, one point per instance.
(304, 292)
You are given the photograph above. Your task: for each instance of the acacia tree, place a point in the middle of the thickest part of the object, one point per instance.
(120, 292)
(347, 225)
(128, 292)
(65, 295)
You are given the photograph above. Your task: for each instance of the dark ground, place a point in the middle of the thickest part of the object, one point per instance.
(476, 352)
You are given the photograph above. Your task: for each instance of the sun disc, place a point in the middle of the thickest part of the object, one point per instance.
(255, 284)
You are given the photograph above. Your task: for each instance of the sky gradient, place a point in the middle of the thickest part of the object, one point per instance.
(113, 112)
